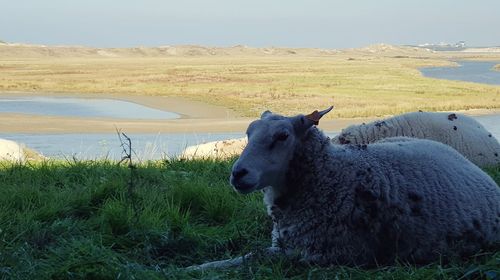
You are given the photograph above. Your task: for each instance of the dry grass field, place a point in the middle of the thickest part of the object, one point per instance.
(370, 82)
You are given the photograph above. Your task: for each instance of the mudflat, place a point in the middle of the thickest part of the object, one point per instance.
(19, 123)
(195, 117)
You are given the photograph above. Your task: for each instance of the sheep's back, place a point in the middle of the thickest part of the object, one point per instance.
(413, 199)
(461, 132)
(434, 196)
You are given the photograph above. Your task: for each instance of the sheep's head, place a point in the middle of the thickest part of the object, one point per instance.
(272, 141)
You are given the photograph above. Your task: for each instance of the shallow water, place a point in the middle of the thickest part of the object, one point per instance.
(469, 71)
(491, 123)
(81, 107)
(94, 146)
(146, 146)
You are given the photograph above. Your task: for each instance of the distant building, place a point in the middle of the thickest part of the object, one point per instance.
(443, 46)
(460, 44)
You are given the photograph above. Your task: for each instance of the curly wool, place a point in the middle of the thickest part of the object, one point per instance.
(461, 132)
(417, 201)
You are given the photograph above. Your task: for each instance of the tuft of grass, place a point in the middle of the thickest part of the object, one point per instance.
(74, 220)
(494, 172)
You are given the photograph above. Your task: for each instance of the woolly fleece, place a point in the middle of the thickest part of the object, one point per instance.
(461, 132)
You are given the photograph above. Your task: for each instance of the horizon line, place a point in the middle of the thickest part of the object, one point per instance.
(420, 45)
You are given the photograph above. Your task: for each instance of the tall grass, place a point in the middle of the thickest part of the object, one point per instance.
(75, 220)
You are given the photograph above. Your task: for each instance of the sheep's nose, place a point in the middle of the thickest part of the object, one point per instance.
(239, 173)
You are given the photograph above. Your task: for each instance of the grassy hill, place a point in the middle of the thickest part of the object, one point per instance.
(82, 220)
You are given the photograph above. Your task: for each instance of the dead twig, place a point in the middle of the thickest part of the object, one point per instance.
(126, 145)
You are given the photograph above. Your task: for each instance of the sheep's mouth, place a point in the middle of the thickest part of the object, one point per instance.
(243, 188)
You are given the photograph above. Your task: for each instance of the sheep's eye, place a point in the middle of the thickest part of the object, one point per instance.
(278, 137)
(281, 136)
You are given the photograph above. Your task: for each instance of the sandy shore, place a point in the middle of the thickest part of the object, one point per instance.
(195, 117)
(19, 123)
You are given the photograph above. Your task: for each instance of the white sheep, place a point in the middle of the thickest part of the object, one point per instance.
(11, 151)
(413, 200)
(215, 150)
(461, 132)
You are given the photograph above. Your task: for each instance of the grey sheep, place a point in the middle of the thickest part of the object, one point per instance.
(413, 200)
(461, 132)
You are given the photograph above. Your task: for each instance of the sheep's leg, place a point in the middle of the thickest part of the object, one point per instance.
(220, 264)
(235, 262)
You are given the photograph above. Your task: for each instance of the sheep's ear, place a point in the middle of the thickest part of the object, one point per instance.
(266, 114)
(302, 123)
(316, 116)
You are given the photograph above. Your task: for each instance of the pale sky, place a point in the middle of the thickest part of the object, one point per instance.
(257, 23)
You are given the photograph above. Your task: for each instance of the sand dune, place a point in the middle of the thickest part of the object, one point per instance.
(14, 50)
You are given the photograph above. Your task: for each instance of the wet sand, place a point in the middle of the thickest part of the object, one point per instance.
(19, 123)
(195, 117)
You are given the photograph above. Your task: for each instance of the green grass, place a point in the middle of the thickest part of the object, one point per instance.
(74, 220)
